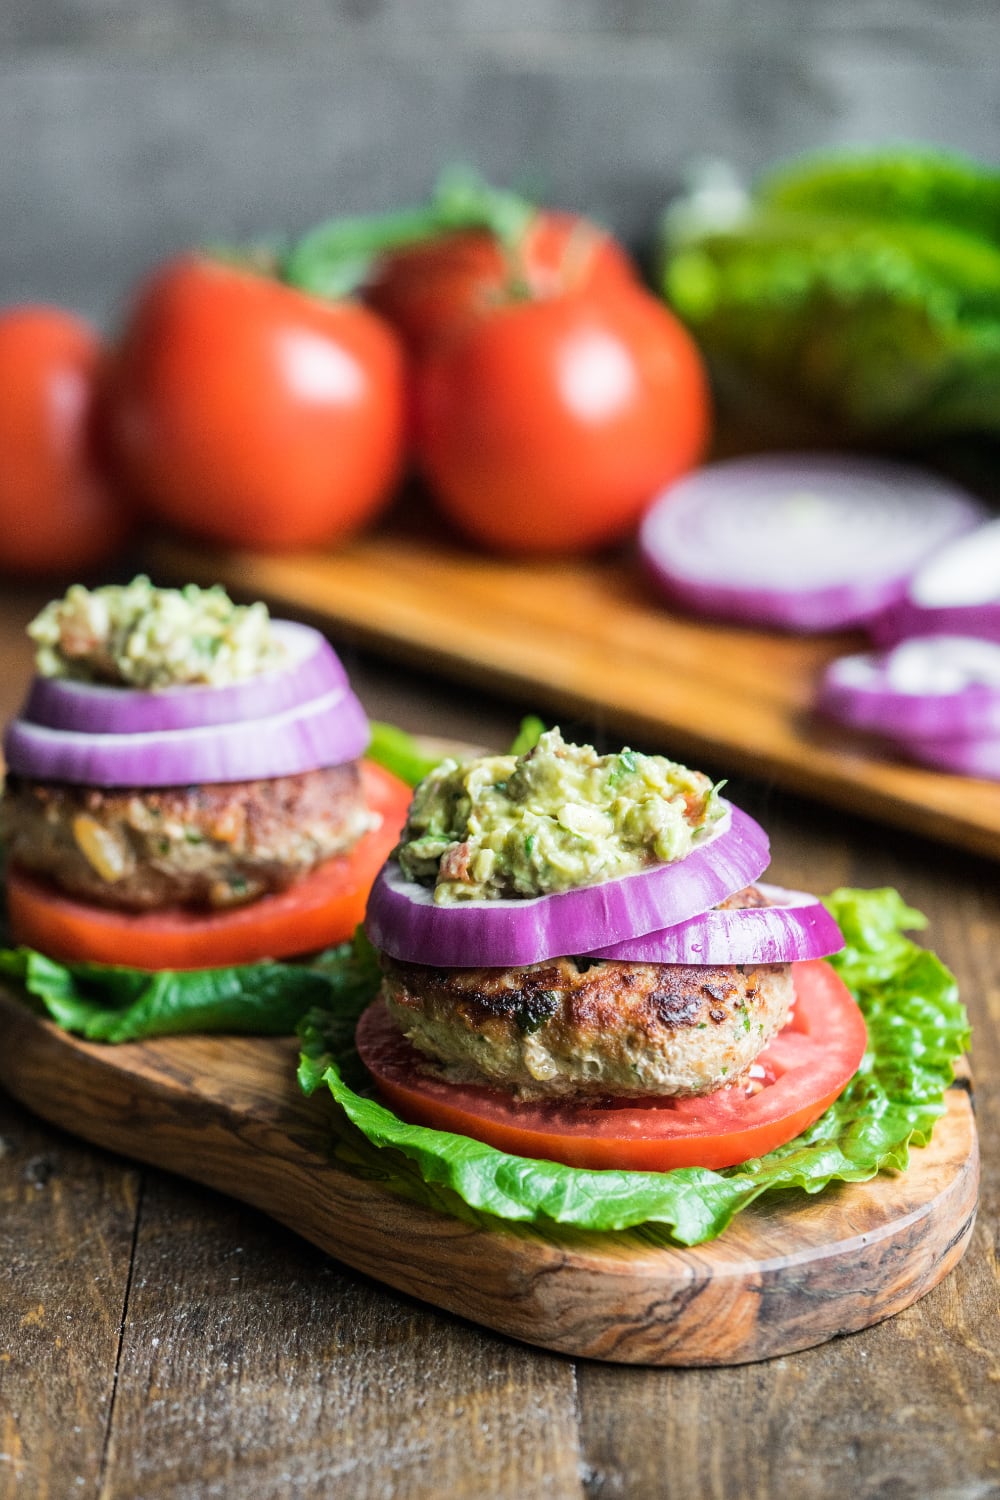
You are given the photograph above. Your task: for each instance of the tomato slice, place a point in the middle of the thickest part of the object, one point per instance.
(323, 908)
(804, 1069)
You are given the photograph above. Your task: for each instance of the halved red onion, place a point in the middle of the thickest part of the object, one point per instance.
(797, 541)
(795, 926)
(957, 592)
(313, 669)
(404, 921)
(324, 732)
(941, 686)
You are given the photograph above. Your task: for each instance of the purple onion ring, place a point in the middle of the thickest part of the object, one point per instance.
(313, 669)
(327, 731)
(929, 687)
(799, 541)
(405, 922)
(794, 926)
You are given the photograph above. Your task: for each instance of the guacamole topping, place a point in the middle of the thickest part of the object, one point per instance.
(556, 817)
(145, 637)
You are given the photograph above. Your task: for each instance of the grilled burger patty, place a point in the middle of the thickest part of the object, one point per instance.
(577, 1027)
(214, 846)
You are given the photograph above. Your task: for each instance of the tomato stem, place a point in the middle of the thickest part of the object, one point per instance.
(335, 258)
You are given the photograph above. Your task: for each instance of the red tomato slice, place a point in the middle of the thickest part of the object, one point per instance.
(805, 1068)
(322, 909)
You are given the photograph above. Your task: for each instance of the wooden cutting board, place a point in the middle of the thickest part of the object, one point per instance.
(227, 1112)
(591, 640)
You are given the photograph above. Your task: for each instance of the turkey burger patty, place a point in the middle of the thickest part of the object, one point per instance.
(211, 846)
(578, 1027)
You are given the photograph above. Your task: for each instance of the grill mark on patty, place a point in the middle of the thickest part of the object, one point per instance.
(481, 1004)
(675, 1009)
(657, 997)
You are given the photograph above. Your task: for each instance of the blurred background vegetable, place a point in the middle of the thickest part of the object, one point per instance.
(264, 405)
(854, 296)
(245, 412)
(58, 511)
(549, 424)
(272, 397)
(428, 290)
(430, 269)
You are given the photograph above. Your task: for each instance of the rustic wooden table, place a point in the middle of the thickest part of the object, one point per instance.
(159, 1340)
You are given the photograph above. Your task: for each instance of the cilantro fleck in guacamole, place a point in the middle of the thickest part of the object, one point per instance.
(141, 636)
(557, 817)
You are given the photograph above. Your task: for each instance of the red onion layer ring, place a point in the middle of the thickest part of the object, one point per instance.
(324, 732)
(404, 921)
(313, 670)
(956, 593)
(796, 926)
(801, 542)
(974, 756)
(930, 687)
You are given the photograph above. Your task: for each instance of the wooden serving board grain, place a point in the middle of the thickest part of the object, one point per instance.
(591, 640)
(786, 1275)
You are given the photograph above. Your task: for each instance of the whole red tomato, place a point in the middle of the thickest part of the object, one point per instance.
(549, 425)
(245, 412)
(429, 290)
(58, 512)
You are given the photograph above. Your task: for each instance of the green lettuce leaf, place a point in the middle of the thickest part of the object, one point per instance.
(859, 295)
(108, 1004)
(916, 1028)
(405, 756)
(399, 752)
(916, 185)
(529, 733)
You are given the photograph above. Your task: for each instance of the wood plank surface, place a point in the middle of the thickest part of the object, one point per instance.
(66, 1231)
(228, 1112)
(590, 639)
(299, 1377)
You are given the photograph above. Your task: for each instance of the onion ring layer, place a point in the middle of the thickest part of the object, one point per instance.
(313, 669)
(795, 926)
(405, 922)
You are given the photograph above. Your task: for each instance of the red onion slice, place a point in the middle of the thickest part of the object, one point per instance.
(930, 687)
(313, 670)
(325, 732)
(795, 926)
(801, 542)
(957, 592)
(404, 921)
(971, 756)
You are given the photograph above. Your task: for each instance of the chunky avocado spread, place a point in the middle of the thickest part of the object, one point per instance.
(557, 817)
(141, 636)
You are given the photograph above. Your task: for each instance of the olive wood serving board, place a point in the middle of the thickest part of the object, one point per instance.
(786, 1275)
(591, 640)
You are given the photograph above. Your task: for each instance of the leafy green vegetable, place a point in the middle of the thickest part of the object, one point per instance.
(529, 733)
(335, 258)
(861, 293)
(916, 1029)
(108, 1004)
(399, 753)
(921, 186)
(403, 754)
